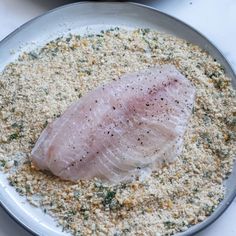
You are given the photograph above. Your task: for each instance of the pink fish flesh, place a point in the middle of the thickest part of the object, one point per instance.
(120, 130)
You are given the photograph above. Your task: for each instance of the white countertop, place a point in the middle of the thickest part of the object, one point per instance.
(216, 19)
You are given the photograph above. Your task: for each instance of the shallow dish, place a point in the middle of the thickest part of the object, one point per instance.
(91, 18)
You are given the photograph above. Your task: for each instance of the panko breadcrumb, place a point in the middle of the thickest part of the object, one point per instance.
(40, 85)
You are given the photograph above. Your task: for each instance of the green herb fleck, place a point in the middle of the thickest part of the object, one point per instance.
(88, 72)
(20, 191)
(16, 163)
(219, 84)
(169, 224)
(33, 55)
(109, 197)
(77, 194)
(86, 216)
(71, 212)
(145, 31)
(14, 136)
(207, 174)
(206, 137)
(99, 35)
(68, 39)
(27, 188)
(3, 163)
(17, 125)
(90, 35)
(45, 124)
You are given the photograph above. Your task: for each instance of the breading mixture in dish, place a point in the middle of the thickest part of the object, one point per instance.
(121, 130)
(40, 85)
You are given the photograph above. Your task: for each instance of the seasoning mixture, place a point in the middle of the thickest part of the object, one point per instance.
(41, 84)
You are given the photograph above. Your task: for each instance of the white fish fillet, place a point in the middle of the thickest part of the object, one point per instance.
(121, 129)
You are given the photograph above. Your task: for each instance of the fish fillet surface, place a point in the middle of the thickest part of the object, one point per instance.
(119, 130)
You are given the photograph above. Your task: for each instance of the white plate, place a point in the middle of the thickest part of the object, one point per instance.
(82, 18)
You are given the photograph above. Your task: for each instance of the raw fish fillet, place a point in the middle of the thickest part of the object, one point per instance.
(120, 130)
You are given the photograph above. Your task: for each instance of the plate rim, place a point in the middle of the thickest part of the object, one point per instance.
(230, 198)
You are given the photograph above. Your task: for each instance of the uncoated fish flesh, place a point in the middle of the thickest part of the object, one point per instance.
(121, 130)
